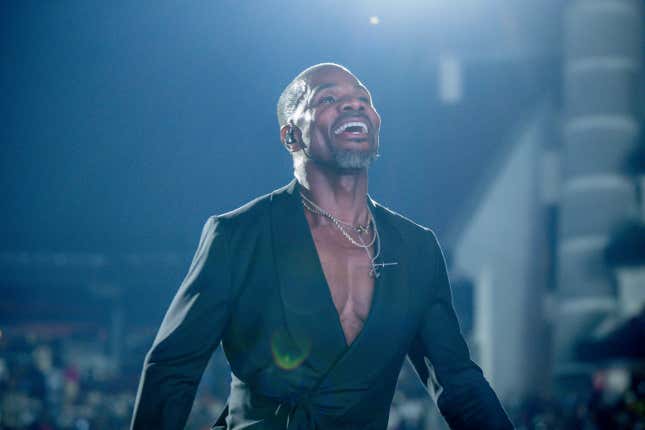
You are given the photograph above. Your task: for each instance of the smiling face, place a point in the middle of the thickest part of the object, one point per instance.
(339, 124)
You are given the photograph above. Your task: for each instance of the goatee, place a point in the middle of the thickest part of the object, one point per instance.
(354, 158)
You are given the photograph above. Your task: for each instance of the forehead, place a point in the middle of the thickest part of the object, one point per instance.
(331, 76)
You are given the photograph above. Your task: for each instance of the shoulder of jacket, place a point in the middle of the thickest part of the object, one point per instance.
(249, 213)
(404, 224)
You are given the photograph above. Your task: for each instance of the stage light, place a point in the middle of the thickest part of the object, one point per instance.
(450, 79)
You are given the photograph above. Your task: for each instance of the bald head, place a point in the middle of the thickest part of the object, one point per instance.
(295, 92)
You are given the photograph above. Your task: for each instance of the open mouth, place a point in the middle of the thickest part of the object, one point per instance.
(352, 129)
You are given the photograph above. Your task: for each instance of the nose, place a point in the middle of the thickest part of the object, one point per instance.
(352, 103)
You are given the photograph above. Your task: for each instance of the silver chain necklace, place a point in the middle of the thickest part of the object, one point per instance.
(315, 209)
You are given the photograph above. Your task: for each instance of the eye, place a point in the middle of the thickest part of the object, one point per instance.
(326, 99)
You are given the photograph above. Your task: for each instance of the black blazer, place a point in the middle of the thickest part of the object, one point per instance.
(256, 285)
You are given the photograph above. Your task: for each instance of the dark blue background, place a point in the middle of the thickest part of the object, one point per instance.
(126, 124)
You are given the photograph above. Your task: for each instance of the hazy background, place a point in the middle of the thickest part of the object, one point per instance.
(126, 124)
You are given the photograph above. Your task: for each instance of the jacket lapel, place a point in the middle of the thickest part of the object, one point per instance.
(310, 316)
(377, 346)
(309, 313)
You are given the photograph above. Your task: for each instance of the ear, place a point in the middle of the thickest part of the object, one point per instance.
(296, 145)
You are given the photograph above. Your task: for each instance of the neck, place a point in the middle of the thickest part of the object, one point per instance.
(340, 192)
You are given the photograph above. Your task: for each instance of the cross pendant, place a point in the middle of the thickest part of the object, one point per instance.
(375, 273)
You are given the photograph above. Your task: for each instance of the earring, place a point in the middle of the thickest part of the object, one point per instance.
(289, 139)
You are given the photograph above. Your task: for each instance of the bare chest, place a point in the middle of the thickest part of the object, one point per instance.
(346, 268)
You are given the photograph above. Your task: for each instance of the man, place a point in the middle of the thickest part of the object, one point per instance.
(317, 292)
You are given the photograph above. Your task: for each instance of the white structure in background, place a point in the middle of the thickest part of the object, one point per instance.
(503, 248)
(603, 108)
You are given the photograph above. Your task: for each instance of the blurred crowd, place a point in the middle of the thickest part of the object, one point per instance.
(64, 385)
(615, 400)
(59, 385)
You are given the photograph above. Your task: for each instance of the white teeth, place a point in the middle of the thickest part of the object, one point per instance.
(344, 127)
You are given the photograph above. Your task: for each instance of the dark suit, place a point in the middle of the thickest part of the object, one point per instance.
(257, 285)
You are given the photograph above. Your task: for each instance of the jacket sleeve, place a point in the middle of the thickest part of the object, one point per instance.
(191, 330)
(441, 358)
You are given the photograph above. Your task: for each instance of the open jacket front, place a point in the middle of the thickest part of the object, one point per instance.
(256, 284)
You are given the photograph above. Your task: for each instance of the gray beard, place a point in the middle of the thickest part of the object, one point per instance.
(353, 159)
